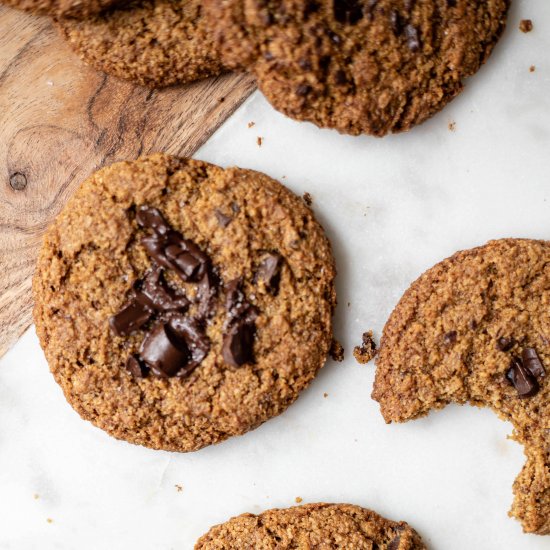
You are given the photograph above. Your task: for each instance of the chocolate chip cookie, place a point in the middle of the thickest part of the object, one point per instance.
(360, 66)
(62, 8)
(327, 526)
(476, 329)
(155, 43)
(179, 304)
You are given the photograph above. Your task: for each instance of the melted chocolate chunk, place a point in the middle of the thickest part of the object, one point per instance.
(270, 272)
(192, 331)
(238, 340)
(154, 292)
(238, 343)
(348, 11)
(129, 319)
(151, 218)
(522, 379)
(164, 352)
(450, 337)
(505, 344)
(532, 362)
(136, 367)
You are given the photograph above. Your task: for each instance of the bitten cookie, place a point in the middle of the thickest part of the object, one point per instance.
(62, 8)
(327, 526)
(360, 66)
(155, 43)
(179, 304)
(476, 329)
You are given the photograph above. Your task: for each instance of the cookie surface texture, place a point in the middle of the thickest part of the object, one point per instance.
(179, 304)
(154, 43)
(62, 8)
(323, 526)
(360, 66)
(476, 329)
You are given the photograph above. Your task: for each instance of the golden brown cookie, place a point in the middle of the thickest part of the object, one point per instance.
(179, 304)
(476, 329)
(155, 43)
(62, 8)
(360, 66)
(323, 526)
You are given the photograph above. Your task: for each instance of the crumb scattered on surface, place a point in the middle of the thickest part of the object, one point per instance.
(260, 141)
(49, 520)
(308, 199)
(532, 69)
(36, 496)
(298, 500)
(452, 126)
(367, 350)
(349, 304)
(251, 124)
(526, 25)
(179, 488)
(325, 395)
(337, 351)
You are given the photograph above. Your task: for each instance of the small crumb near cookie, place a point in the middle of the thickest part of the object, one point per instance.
(260, 141)
(298, 500)
(49, 520)
(532, 69)
(308, 199)
(452, 126)
(337, 351)
(36, 496)
(325, 395)
(526, 25)
(251, 124)
(179, 488)
(367, 350)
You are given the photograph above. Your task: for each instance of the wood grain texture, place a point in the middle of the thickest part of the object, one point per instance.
(60, 121)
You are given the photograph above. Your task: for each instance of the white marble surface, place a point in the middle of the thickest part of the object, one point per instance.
(392, 208)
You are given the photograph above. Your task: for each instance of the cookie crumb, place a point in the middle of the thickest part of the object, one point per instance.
(337, 351)
(298, 500)
(251, 124)
(367, 350)
(49, 520)
(532, 69)
(349, 304)
(325, 395)
(260, 141)
(308, 199)
(36, 496)
(179, 488)
(526, 25)
(452, 126)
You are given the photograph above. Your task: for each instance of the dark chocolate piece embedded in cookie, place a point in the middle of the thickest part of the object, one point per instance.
(155, 43)
(327, 526)
(169, 330)
(494, 301)
(358, 66)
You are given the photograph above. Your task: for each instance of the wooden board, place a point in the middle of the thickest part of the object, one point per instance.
(60, 121)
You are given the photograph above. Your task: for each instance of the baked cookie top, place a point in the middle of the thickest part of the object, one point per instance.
(155, 43)
(179, 304)
(476, 328)
(326, 526)
(360, 66)
(62, 8)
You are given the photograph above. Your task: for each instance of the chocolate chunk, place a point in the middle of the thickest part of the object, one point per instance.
(450, 338)
(413, 39)
(337, 351)
(130, 318)
(238, 343)
(151, 218)
(136, 368)
(198, 344)
(154, 292)
(234, 296)
(505, 344)
(163, 351)
(270, 272)
(223, 220)
(522, 379)
(532, 362)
